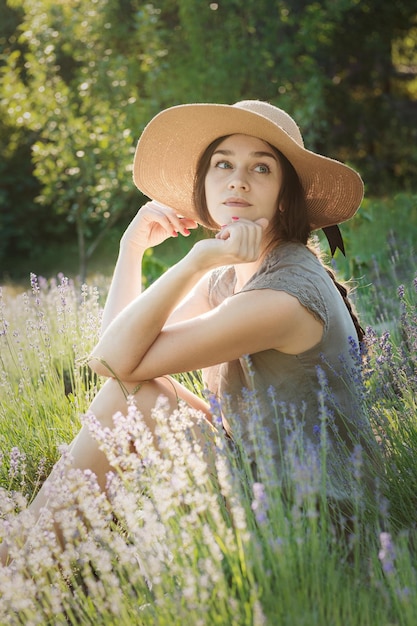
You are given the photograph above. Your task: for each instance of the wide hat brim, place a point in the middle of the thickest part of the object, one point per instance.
(170, 146)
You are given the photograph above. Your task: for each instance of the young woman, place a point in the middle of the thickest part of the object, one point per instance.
(252, 306)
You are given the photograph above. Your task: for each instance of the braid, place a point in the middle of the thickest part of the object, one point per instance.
(344, 293)
(343, 290)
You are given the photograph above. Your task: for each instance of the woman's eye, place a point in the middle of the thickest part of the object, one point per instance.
(262, 168)
(223, 165)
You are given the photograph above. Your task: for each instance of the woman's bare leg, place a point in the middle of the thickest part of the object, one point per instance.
(84, 450)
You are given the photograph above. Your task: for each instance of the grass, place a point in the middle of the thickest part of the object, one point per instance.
(172, 544)
(381, 254)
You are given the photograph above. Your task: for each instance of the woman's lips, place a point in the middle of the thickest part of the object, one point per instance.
(239, 202)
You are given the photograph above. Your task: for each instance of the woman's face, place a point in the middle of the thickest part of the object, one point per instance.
(243, 180)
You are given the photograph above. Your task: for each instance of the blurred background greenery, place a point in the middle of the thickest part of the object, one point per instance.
(79, 79)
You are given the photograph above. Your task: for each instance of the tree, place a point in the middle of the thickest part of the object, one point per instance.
(80, 78)
(371, 67)
(342, 68)
(74, 85)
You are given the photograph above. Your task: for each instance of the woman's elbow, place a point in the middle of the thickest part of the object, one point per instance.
(102, 368)
(99, 367)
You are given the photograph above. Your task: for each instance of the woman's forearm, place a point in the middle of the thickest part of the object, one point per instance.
(128, 336)
(152, 225)
(126, 283)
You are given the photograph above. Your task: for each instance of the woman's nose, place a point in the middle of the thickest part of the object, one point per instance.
(238, 181)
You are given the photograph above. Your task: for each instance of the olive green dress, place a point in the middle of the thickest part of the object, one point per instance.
(297, 402)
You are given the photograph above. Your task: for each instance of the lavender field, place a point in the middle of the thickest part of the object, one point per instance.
(173, 543)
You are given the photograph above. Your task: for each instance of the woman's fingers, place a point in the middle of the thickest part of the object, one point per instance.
(154, 223)
(243, 239)
(168, 218)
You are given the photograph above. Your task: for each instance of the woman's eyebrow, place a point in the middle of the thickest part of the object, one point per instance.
(257, 154)
(264, 154)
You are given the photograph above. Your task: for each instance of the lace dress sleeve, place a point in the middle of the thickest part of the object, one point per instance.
(300, 276)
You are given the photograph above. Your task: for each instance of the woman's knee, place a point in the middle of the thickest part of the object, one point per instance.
(113, 397)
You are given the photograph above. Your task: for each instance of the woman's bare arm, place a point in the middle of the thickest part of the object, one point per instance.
(138, 344)
(153, 224)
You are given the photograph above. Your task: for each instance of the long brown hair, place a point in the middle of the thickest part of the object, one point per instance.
(290, 222)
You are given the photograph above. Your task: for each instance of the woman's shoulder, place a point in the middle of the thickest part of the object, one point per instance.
(291, 266)
(295, 269)
(289, 259)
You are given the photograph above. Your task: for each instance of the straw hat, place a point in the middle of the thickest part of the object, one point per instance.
(171, 144)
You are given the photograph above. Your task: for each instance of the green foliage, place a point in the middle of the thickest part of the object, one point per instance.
(71, 87)
(380, 252)
(368, 112)
(79, 80)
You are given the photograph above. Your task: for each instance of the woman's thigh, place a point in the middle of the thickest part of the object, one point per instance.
(111, 399)
(85, 451)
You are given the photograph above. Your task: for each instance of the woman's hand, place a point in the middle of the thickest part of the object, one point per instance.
(242, 241)
(153, 223)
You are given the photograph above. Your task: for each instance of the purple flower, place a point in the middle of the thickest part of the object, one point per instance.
(5, 324)
(215, 408)
(260, 504)
(357, 461)
(17, 460)
(34, 283)
(401, 291)
(387, 553)
(317, 429)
